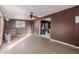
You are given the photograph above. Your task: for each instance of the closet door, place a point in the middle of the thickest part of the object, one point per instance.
(1, 27)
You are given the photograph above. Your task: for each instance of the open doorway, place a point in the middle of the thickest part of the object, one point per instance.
(45, 27)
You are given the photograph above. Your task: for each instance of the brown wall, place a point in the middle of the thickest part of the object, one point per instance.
(76, 26)
(63, 26)
(19, 31)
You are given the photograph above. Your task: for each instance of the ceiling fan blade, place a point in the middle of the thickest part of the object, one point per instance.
(32, 16)
(36, 17)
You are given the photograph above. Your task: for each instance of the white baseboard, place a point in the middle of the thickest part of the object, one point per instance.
(53, 40)
(64, 43)
(10, 46)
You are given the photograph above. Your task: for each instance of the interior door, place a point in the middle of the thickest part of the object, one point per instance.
(1, 28)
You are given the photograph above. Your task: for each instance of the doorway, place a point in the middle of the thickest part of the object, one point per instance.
(45, 28)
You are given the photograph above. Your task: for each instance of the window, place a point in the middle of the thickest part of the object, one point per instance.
(20, 24)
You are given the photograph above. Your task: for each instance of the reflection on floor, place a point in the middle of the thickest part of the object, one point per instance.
(35, 44)
(45, 35)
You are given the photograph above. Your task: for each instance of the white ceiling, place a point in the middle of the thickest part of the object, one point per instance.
(23, 11)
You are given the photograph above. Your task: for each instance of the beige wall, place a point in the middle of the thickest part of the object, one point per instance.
(1, 27)
(37, 26)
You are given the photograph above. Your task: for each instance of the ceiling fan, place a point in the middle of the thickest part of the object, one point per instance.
(33, 16)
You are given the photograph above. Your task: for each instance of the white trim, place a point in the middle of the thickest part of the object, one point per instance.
(39, 26)
(64, 43)
(10, 46)
(67, 44)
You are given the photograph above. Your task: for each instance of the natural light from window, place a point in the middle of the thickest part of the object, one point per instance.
(20, 24)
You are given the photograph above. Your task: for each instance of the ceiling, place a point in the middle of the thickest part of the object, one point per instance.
(23, 11)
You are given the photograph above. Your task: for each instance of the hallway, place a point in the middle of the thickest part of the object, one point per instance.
(40, 45)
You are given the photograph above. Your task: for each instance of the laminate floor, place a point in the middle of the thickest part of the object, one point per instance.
(40, 45)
